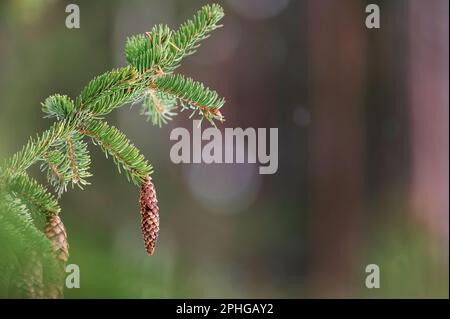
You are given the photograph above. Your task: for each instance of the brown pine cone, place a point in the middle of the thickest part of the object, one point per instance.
(149, 215)
(56, 232)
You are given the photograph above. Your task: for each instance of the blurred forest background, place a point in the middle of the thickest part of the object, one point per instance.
(363, 148)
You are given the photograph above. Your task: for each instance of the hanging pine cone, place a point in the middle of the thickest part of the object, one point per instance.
(149, 215)
(56, 232)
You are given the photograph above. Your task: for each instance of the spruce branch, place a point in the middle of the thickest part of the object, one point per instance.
(161, 49)
(29, 215)
(16, 214)
(18, 220)
(150, 52)
(34, 262)
(58, 106)
(34, 195)
(123, 152)
(68, 161)
(108, 91)
(159, 107)
(192, 95)
(36, 148)
(187, 38)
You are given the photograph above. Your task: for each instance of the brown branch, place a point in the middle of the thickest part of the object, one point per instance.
(172, 44)
(76, 178)
(55, 170)
(159, 108)
(155, 72)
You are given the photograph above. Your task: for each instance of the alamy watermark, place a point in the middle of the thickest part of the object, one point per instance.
(230, 148)
(73, 17)
(373, 277)
(373, 17)
(73, 277)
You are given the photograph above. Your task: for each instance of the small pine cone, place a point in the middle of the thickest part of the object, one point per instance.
(149, 215)
(56, 232)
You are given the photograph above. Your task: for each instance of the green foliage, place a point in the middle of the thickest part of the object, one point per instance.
(36, 148)
(17, 216)
(123, 152)
(108, 91)
(64, 156)
(117, 87)
(24, 249)
(159, 107)
(162, 49)
(151, 51)
(192, 95)
(186, 39)
(67, 162)
(34, 195)
(58, 106)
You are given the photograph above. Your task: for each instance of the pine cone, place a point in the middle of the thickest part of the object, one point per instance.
(56, 232)
(149, 215)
